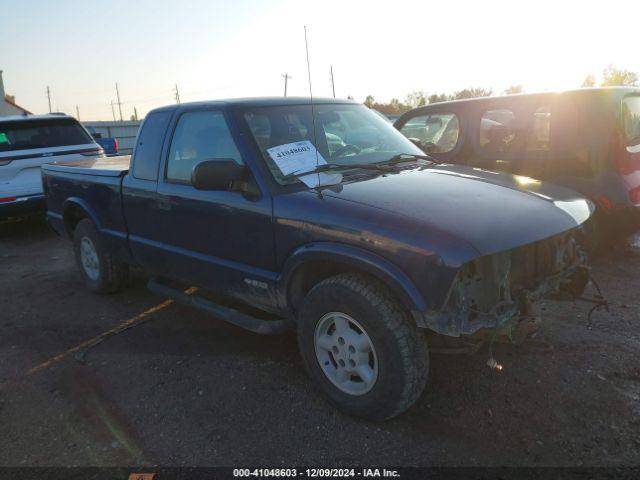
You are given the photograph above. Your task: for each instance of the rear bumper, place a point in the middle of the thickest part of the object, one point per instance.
(22, 206)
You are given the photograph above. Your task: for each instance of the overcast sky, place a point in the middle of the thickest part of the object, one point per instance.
(218, 49)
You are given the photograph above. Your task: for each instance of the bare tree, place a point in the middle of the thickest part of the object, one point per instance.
(416, 99)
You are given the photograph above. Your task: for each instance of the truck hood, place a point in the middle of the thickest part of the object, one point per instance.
(491, 211)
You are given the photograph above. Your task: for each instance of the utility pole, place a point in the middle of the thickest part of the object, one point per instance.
(333, 85)
(119, 102)
(77, 113)
(135, 113)
(49, 97)
(113, 112)
(176, 94)
(286, 77)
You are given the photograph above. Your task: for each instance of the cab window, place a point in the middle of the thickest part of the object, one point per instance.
(437, 133)
(199, 136)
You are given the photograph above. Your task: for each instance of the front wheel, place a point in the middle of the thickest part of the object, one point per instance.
(362, 347)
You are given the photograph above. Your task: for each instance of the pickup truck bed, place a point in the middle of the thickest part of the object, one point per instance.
(90, 187)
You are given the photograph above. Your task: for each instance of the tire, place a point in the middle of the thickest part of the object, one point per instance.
(397, 361)
(99, 270)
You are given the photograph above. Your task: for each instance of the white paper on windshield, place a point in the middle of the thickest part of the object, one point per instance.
(300, 157)
(297, 157)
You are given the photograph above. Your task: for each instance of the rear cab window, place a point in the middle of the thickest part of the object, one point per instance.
(146, 157)
(436, 132)
(42, 133)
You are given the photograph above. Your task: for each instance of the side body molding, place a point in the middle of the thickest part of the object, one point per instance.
(395, 279)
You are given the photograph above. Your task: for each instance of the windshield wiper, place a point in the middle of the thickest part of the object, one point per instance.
(407, 157)
(325, 167)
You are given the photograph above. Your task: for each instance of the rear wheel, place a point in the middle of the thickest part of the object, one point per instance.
(362, 347)
(99, 269)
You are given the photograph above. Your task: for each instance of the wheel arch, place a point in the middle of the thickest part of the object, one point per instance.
(313, 263)
(75, 209)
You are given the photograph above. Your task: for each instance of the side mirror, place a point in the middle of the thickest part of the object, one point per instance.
(217, 174)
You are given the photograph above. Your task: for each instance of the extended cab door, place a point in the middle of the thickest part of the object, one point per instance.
(145, 222)
(221, 240)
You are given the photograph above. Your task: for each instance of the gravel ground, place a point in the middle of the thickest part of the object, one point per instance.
(186, 389)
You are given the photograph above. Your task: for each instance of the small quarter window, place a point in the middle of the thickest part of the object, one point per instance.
(437, 132)
(199, 136)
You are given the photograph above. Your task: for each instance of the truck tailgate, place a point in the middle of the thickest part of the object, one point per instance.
(101, 166)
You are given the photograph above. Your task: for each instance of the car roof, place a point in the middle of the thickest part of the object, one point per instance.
(620, 91)
(30, 118)
(252, 102)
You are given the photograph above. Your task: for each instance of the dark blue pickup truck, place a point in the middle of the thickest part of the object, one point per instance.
(324, 218)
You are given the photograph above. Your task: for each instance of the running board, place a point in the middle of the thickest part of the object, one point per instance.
(257, 325)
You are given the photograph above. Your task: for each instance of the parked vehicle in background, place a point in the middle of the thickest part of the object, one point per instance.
(587, 140)
(26, 142)
(335, 224)
(108, 144)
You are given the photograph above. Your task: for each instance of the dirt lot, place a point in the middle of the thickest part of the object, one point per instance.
(186, 389)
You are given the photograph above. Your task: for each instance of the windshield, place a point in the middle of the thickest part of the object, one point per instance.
(346, 134)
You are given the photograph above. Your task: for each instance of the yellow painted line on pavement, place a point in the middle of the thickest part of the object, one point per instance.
(125, 324)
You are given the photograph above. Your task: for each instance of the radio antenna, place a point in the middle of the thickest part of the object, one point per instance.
(313, 116)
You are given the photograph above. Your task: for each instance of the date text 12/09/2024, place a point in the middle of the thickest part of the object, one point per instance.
(315, 472)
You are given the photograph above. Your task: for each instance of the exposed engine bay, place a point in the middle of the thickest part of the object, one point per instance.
(496, 290)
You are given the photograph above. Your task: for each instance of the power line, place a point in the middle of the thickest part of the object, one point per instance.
(113, 112)
(119, 102)
(286, 77)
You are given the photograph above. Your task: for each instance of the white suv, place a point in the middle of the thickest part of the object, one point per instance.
(26, 142)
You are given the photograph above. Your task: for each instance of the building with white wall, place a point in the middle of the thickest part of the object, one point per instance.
(8, 104)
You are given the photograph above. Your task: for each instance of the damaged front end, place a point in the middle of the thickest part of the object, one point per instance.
(496, 291)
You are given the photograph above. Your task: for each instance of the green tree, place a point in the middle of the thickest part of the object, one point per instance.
(472, 92)
(589, 81)
(612, 76)
(369, 101)
(438, 97)
(416, 99)
(514, 89)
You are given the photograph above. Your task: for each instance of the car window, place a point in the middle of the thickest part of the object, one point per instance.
(497, 131)
(146, 155)
(539, 134)
(437, 133)
(199, 136)
(631, 119)
(44, 133)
